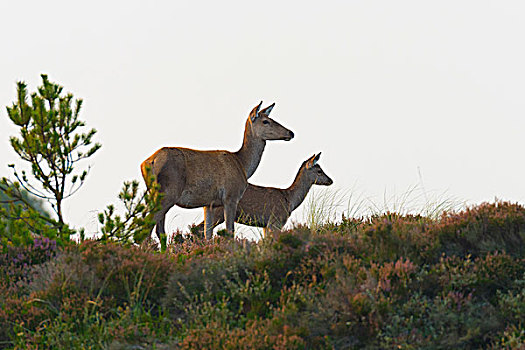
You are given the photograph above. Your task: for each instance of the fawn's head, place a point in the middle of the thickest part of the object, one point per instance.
(264, 127)
(314, 172)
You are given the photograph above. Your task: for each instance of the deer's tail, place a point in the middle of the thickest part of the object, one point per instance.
(146, 168)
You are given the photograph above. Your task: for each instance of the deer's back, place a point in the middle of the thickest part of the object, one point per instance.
(261, 206)
(197, 178)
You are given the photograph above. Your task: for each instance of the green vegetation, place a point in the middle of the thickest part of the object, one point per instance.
(49, 141)
(136, 224)
(16, 223)
(384, 281)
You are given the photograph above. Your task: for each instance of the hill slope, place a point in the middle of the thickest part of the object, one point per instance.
(385, 282)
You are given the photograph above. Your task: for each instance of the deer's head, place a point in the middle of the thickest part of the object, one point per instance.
(264, 127)
(313, 171)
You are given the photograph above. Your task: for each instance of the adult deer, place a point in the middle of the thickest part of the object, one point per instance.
(191, 179)
(270, 207)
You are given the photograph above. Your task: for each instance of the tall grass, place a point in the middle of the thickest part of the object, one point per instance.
(328, 205)
(416, 200)
(323, 206)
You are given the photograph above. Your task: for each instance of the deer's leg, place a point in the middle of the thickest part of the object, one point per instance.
(160, 217)
(218, 218)
(160, 220)
(218, 214)
(230, 214)
(208, 222)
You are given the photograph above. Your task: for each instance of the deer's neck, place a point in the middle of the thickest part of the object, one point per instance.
(297, 192)
(251, 151)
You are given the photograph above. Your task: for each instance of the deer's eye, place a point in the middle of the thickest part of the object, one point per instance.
(266, 122)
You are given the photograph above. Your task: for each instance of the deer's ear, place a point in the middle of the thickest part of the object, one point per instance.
(310, 162)
(316, 159)
(267, 110)
(313, 160)
(254, 114)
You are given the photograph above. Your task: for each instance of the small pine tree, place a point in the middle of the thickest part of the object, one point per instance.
(50, 141)
(136, 224)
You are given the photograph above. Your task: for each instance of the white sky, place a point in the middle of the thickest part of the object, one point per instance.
(382, 88)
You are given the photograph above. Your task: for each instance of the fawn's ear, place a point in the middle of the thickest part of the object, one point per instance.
(267, 110)
(313, 160)
(254, 114)
(310, 162)
(316, 159)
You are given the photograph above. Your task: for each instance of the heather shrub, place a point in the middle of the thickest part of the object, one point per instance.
(125, 328)
(225, 325)
(94, 293)
(483, 276)
(451, 320)
(208, 274)
(281, 254)
(385, 282)
(299, 256)
(15, 261)
(16, 264)
(119, 275)
(485, 228)
(381, 282)
(18, 312)
(238, 302)
(354, 301)
(224, 298)
(389, 237)
(346, 312)
(512, 302)
(258, 334)
(511, 339)
(489, 227)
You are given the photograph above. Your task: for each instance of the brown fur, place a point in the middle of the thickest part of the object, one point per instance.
(270, 207)
(191, 178)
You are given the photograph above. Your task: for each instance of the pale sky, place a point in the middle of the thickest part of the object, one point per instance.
(386, 90)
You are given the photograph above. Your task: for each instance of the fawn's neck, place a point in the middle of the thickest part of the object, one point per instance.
(298, 190)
